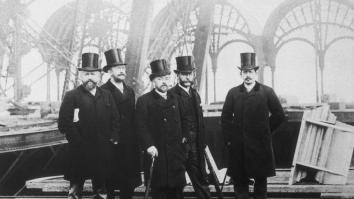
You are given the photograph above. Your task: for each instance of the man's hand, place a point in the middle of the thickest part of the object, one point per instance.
(152, 150)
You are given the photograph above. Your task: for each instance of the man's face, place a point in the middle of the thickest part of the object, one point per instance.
(90, 79)
(118, 73)
(161, 83)
(249, 76)
(186, 79)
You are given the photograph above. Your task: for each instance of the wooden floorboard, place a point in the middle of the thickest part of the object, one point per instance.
(277, 187)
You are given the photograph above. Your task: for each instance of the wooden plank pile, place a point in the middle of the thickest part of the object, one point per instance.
(324, 149)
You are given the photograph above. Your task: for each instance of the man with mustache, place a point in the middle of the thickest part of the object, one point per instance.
(124, 173)
(250, 114)
(159, 127)
(89, 119)
(192, 125)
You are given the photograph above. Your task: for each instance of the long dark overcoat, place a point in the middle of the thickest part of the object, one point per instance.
(89, 137)
(125, 165)
(158, 124)
(186, 112)
(248, 118)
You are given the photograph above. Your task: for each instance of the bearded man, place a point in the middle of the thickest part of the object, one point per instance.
(90, 121)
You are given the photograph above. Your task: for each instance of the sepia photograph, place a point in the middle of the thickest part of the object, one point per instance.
(173, 99)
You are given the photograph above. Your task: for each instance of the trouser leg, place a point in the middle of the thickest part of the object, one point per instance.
(126, 193)
(195, 173)
(260, 188)
(167, 193)
(241, 186)
(158, 193)
(75, 191)
(110, 189)
(99, 189)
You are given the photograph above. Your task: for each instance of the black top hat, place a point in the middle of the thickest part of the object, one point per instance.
(184, 64)
(248, 61)
(113, 58)
(89, 62)
(159, 68)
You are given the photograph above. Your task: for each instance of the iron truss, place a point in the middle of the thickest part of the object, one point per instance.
(319, 23)
(174, 30)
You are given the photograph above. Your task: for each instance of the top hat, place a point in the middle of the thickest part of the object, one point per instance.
(184, 64)
(248, 61)
(113, 58)
(89, 62)
(159, 68)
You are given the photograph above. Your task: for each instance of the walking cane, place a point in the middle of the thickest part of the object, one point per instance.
(149, 180)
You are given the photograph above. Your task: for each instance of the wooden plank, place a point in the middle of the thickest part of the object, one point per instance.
(316, 113)
(320, 113)
(320, 168)
(299, 150)
(273, 188)
(342, 128)
(339, 156)
(275, 184)
(324, 149)
(337, 195)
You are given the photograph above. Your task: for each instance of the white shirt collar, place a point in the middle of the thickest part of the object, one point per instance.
(249, 87)
(93, 91)
(185, 89)
(164, 95)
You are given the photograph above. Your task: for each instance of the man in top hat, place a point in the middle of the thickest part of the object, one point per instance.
(192, 125)
(159, 127)
(250, 114)
(124, 172)
(89, 119)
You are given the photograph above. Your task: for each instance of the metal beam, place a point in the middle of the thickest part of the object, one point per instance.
(138, 41)
(202, 38)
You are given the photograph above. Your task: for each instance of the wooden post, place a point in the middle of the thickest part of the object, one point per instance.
(138, 42)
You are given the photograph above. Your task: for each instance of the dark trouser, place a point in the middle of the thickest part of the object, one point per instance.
(76, 187)
(167, 193)
(124, 192)
(195, 173)
(241, 187)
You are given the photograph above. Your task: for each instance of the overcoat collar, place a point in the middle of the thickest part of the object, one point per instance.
(161, 100)
(181, 92)
(117, 92)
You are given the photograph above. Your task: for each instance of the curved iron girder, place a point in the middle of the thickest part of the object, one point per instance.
(236, 41)
(228, 21)
(165, 13)
(271, 47)
(60, 34)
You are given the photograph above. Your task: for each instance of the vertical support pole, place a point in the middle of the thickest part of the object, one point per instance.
(16, 58)
(202, 38)
(214, 64)
(138, 42)
(48, 82)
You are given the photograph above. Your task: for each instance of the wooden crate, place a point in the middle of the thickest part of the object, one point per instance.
(324, 149)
